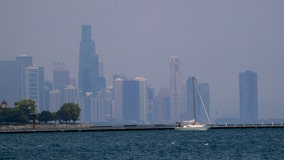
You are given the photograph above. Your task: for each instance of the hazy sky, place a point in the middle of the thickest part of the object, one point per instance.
(215, 39)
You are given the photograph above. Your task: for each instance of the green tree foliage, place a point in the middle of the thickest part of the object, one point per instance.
(45, 116)
(25, 112)
(68, 112)
(27, 106)
(12, 116)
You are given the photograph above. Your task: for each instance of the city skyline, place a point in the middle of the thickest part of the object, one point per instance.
(215, 40)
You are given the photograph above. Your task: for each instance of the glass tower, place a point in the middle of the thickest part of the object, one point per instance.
(89, 80)
(131, 101)
(248, 97)
(60, 76)
(177, 99)
(24, 61)
(35, 86)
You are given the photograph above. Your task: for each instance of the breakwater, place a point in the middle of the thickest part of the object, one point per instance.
(92, 128)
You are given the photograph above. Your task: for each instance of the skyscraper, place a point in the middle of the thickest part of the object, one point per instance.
(35, 86)
(89, 80)
(189, 98)
(201, 92)
(60, 76)
(131, 101)
(10, 84)
(164, 105)
(13, 78)
(248, 97)
(204, 94)
(177, 99)
(103, 106)
(87, 104)
(24, 61)
(117, 99)
(55, 100)
(70, 94)
(143, 106)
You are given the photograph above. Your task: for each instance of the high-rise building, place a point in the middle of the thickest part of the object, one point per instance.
(201, 95)
(48, 86)
(103, 106)
(117, 108)
(24, 61)
(35, 86)
(10, 84)
(135, 108)
(13, 78)
(177, 99)
(248, 97)
(55, 100)
(143, 106)
(60, 76)
(152, 103)
(204, 102)
(131, 101)
(89, 80)
(87, 104)
(189, 98)
(70, 94)
(164, 105)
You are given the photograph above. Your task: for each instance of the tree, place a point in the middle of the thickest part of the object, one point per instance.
(68, 112)
(45, 116)
(27, 106)
(16, 116)
(12, 116)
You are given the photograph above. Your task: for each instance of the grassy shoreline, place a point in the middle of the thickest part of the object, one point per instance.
(43, 126)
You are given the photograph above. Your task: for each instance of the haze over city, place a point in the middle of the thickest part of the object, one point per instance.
(215, 40)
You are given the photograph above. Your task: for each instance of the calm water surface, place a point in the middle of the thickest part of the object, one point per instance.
(169, 144)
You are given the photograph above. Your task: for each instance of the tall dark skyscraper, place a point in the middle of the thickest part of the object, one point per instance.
(10, 81)
(131, 101)
(248, 97)
(89, 80)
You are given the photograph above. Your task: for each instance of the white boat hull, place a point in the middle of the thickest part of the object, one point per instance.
(193, 127)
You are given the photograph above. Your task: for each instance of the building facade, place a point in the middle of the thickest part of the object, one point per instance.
(164, 105)
(24, 61)
(143, 99)
(60, 76)
(89, 80)
(202, 101)
(130, 109)
(117, 109)
(177, 98)
(35, 86)
(10, 75)
(55, 100)
(248, 97)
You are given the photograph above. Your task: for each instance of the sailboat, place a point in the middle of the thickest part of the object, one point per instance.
(192, 125)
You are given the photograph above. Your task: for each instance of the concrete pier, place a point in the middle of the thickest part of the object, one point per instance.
(97, 128)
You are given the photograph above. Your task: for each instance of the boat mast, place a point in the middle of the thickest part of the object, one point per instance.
(193, 92)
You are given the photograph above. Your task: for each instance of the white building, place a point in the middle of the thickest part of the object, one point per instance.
(177, 98)
(143, 107)
(117, 100)
(35, 86)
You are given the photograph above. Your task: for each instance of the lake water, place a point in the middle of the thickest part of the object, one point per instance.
(164, 144)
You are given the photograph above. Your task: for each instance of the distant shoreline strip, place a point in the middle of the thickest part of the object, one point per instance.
(133, 128)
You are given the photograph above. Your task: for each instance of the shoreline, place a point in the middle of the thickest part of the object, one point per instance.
(48, 128)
